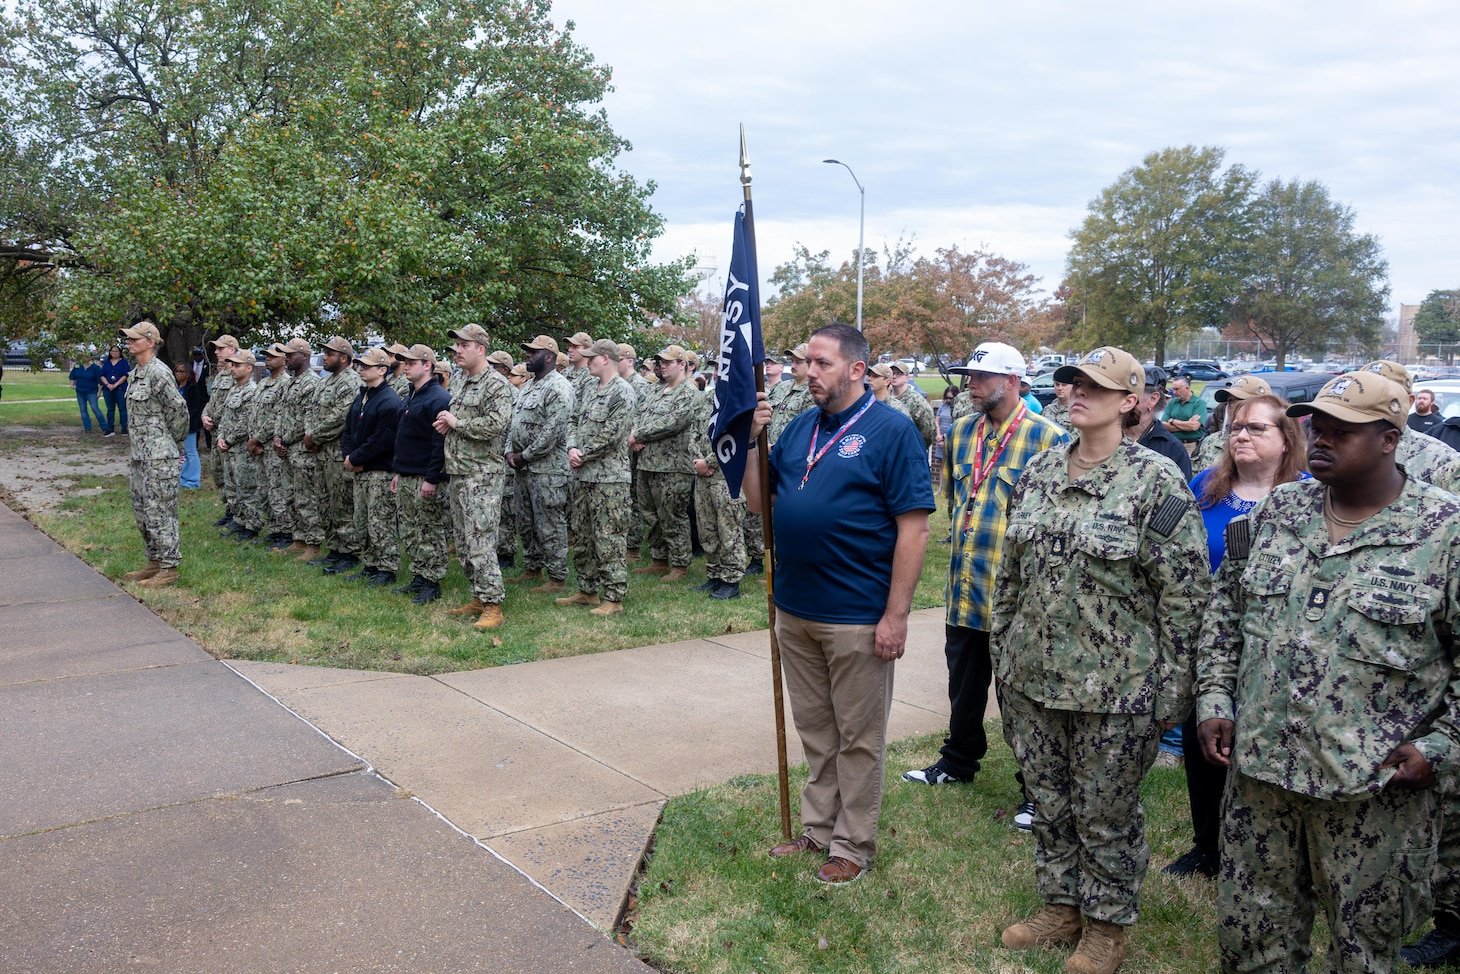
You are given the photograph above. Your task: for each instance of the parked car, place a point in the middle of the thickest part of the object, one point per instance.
(1200, 370)
(1042, 386)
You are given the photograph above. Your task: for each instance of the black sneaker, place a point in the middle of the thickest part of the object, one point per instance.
(1435, 949)
(936, 773)
(244, 534)
(363, 575)
(756, 567)
(324, 561)
(726, 590)
(428, 592)
(709, 585)
(381, 578)
(411, 587)
(284, 541)
(1194, 863)
(344, 564)
(110, 433)
(505, 562)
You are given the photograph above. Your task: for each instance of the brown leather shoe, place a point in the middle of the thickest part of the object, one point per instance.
(607, 609)
(837, 870)
(589, 599)
(535, 575)
(153, 567)
(800, 844)
(551, 585)
(675, 575)
(470, 609)
(490, 618)
(163, 578)
(656, 567)
(310, 551)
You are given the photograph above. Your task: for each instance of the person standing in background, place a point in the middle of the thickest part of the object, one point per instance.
(86, 380)
(114, 370)
(195, 394)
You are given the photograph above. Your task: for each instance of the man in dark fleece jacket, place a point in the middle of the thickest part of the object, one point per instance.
(368, 447)
(420, 476)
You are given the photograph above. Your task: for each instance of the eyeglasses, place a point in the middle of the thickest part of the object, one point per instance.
(1251, 429)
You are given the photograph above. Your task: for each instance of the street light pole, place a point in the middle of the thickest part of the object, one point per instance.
(861, 231)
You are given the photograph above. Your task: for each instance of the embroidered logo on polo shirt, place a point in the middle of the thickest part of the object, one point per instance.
(850, 445)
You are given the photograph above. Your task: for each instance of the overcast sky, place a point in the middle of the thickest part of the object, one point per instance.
(994, 125)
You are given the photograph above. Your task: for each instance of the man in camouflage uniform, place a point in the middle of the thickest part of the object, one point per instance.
(1326, 684)
(1420, 455)
(420, 480)
(792, 398)
(578, 375)
(475, 428)
(915, 404)
(368, 449)
(502, 364)
(233, 434)
(661, 439)
(218, 385)
(303, 465)
(324, 425)
(537, 448)
(158, 417)
(879, 377)
(721, 518)
(397, 378)
(627, 371)
(1212, 446)
(1058, 410)
(261, 425)
(598, 453)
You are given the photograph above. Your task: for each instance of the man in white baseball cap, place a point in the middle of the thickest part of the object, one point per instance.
(983, 458)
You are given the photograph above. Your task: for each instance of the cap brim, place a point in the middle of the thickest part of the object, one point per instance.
(1225, 395)
(1066, 374)
(1340, 412)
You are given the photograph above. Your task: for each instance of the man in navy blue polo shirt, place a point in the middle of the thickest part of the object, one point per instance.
(851, 497)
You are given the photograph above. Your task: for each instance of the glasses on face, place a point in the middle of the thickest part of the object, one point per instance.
(1251, 429)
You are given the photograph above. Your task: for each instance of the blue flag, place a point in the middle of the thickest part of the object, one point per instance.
(740, 352)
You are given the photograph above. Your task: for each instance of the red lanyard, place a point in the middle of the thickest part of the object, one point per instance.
(812, 456)
(981, 473)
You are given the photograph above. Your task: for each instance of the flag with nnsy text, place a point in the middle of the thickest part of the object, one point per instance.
(740, 352)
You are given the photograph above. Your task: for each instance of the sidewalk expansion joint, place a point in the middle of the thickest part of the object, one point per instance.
(576, 818)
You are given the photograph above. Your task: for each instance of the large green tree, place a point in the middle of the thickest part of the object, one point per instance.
(393, 167)
(1437, 322)
(1158, 255)
(1312, 281)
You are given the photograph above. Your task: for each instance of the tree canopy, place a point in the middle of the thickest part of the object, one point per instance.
(1437, 322)
(393, 167)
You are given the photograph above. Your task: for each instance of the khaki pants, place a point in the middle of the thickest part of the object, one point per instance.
(840, 696)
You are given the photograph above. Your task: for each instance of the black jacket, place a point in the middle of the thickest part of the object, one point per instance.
(1158, 439)
(1448, 432)
(369, 439)
(420, 451)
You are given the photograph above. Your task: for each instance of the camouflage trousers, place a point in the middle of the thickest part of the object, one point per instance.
(542, 515)
(154, 506)
(476, 514)
(305, 497)
(1368, 862)
(1446, 883)
(218, 470)
(754, 535)
(722, 528)
(1083, 771)
(636, 518)
(664, 499)
(243, 473)
(424, 531)
(376, 521)
(276, 493)
(339, 501)
(600, 527)
(507, 532)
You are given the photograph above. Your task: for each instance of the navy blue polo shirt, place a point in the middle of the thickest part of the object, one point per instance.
(835, 537)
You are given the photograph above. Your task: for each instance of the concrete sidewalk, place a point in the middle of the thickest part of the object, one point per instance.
(158, 812)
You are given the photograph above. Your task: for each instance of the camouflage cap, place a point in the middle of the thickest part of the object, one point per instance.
(800, 351)
(581, 339)
(374, 356)
(541, 342)
(277, 349)
(1244, 387)
(1392, 371)
(470, 333)
(672, 353)
(503, 359)
(1108, 367)
(145, 329)
(298, 345)
(418, 353)
(224, 341)
(1359, 397)
(606, 347)
(626, 351)
(882, 370)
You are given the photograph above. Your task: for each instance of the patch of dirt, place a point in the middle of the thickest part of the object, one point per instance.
(39, 464)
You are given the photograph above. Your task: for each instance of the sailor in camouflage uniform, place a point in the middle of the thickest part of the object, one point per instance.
(324, 425)
(578, 375)
(915, 404)
(1058, 410)
(879, 377)
(158, 417)
(1421, 455)
(262, 422)
(598, 452)
(628, 356)
(1327, 684)
(794, 396)
(305, 485)
(502, 364)
(1097, 609)
(218, 385)
(368, 452)
(475, 428)
(233, 434)
(397, 378)
(721, 518)
(1210, 451)
(420, 483)
(537, 448)
(661, 439)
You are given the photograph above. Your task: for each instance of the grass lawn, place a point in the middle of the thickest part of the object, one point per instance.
(58, 408)
(950, 874)
(238, 601)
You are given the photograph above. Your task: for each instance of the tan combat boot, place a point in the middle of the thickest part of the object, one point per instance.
(656, 567)
(675, 575)
(1053, 926)
(470, 609)
(551, 585)
(607, 609)
(528, 576)
(153, 567)
(490, 618)
(163, 578)
(293, 549)
(1101, 949)
(310, 552)
(589, 599)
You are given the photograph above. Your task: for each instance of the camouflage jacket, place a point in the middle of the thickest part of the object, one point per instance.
(298, 397)
(153, 408)
(663, 426)
(1059, 414)
(1099, 593)
(540, 425)
(1428, 459)
(600, 432)
(916, 405)
(1209, 452)
(218, 385)
(397, 381)
(324, 419)
(699, 428)
(962, 405)
(482, 405)
(266, 401)
(794, 401)
(235, 421)
(1329, 656)
(581, 380)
